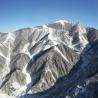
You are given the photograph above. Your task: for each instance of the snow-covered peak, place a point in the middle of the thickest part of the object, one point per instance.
(62, 22)
(36, 67)
(10, 36)
(45, 27)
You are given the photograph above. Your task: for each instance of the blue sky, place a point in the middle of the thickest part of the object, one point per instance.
(15, 14)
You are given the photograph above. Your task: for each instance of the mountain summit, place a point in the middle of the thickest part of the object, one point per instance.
(56, 60)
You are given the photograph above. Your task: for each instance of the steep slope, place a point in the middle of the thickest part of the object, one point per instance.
(33, 60)
(82, 80)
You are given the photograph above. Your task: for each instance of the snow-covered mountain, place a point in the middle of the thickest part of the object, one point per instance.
(51, 61)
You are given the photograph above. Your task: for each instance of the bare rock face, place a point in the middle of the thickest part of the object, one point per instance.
(92, 35)
(57, 60)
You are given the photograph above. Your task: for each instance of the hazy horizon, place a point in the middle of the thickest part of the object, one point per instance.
(17, 14)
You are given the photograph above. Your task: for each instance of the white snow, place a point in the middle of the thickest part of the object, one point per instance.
(3, 95)
(10, 36)
(5, 69)
(68, 97)
(8, 40)
(42, 82)
(16, 85)
(25, 50)
(28, 77)
(53, 39)
(56, 48)
(45, 27)
(47, 69)
(3, 55)
(62, 22)
(9, 54)
(78, 86)
(82, 31)
(83, 40)
(19, 89)
(29, 81)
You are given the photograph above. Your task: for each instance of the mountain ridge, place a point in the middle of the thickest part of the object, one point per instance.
(33, 60)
